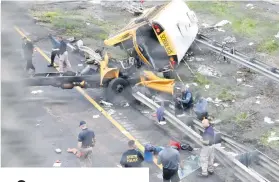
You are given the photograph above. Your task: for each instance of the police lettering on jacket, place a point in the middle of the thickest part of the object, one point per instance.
(131, 158)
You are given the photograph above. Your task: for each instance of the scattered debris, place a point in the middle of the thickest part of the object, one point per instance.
(58, 151)
(277, 35)
(207, 86)
(199, 59)
(272, 137)
(258, 102)
(120, 114)
(96, 116)
(216, 101)
(181, 115)
(220, 30)
(111, 111)
(232, 154)
(145, 112)
(207, 71)
(37, 124)
(216, 164)
(36, 91)
(251, 43)
(195, 149)
(162, 122)
(87, 23)
(247, 85)
(195, 84)
(250, 6)
(126, 105)
(239, 80)
(268, 120)
(107, 104)
(57, 163)
(205, 25)
(80, 65)
(258, 97)
(233, 100)
(222, 23)
(230, 39)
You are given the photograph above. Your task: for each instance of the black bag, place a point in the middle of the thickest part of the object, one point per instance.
(186, 147)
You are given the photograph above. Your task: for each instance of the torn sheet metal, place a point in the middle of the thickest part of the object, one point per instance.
(107, 104)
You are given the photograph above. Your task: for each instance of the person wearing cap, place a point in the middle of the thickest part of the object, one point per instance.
(28, 49)
(207, 151)
(132, 157)
(184, 101)
(169, 157)
(86, 142)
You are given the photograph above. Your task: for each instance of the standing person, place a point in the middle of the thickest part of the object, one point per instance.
(86, 142)
(207, 151)
(160, 114)
(64, 63)
(55, 49)
(132, 157)
(201, 109)
(170, 159)
(28, 49)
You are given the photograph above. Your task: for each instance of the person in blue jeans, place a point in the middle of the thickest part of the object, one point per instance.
(55, 48)
(160, 114)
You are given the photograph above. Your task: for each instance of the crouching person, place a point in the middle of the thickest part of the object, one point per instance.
(207, 151)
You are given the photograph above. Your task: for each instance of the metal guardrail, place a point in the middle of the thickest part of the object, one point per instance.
(240, 171)
(254, 64)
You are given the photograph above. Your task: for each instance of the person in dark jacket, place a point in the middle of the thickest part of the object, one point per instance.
(64, 63)
(185, 101)
(160, 114)
(132, 157)
(55, 49)
(28, 49)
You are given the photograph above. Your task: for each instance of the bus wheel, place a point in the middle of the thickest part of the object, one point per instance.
(169, 75)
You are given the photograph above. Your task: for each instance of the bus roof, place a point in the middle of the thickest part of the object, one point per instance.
(178, 26)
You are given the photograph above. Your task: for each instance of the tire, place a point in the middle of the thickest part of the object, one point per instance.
(169, 75)
(117, 86)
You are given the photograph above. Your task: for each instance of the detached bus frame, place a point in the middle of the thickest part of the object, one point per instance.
(160, 37)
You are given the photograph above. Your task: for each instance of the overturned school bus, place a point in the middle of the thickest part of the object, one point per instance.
(160, 37)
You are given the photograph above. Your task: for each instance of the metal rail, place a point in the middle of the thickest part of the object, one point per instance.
(242, 172)
(252, 63)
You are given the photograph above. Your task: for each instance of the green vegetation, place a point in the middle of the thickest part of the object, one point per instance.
(201, 80)
(74, 24)
(225, 95)
(269, 46)
(244, 23)
(241, 117)
(244, 26)
(264, 139)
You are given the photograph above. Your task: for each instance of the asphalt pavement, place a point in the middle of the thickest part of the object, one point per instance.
(35, 124)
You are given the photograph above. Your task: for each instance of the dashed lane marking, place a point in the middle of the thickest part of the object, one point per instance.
(95, 104)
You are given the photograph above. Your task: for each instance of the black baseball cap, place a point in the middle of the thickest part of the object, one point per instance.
(82, 123)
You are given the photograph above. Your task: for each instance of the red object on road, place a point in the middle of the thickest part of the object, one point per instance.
(141, 1)
(175, 144)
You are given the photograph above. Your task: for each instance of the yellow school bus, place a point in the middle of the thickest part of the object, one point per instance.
(160, 37)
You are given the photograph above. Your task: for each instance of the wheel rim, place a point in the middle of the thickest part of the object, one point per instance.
(119, 88)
